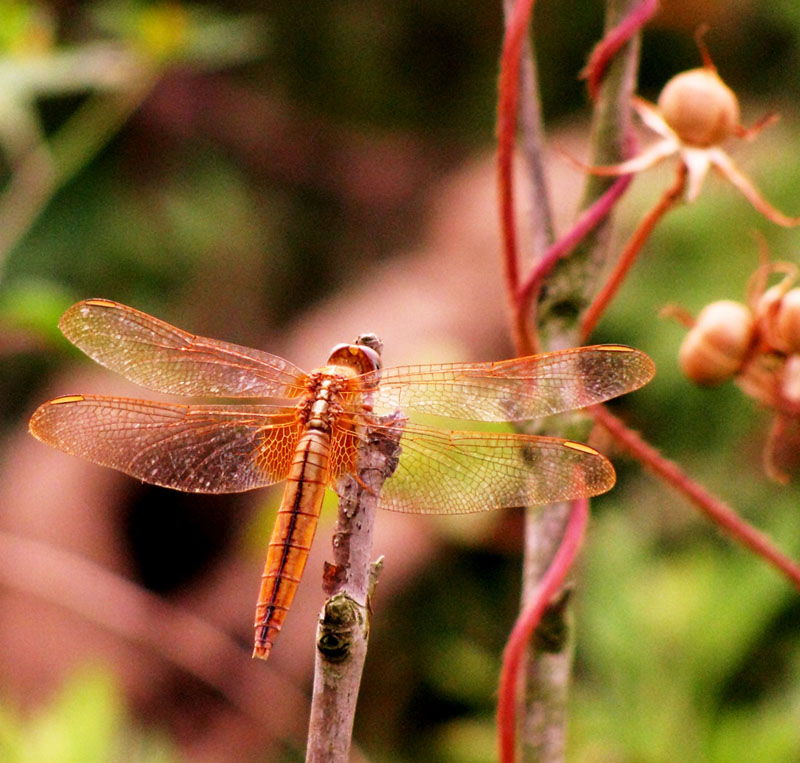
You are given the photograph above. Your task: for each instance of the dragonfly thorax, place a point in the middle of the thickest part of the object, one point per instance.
(321, 402)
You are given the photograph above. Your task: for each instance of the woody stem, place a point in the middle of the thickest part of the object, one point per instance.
(343, 628)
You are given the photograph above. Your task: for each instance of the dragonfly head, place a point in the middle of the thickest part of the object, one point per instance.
(362, 356)
(372, 341)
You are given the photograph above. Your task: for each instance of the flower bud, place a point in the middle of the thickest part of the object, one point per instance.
(699, 107)
(716, 346)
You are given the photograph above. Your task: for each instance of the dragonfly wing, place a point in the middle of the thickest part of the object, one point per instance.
(515, 390)
(195, 448)
(443, 472)
(156, 355)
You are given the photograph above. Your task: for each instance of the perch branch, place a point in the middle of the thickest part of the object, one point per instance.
(343, 628)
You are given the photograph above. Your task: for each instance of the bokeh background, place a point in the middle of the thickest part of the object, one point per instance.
(287, 175)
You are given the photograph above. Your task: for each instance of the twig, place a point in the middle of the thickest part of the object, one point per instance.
(344, 622)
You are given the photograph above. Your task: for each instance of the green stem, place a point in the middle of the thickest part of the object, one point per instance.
(575, 279)
(569, 290)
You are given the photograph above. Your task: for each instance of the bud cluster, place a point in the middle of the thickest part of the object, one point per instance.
(758, 345)
(728, 336)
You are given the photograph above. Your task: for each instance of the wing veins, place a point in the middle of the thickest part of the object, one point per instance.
(171, 444)
(518, 389)
(150, 352)
(463, 471)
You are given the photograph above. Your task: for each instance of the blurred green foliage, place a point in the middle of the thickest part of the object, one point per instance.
(85, 723)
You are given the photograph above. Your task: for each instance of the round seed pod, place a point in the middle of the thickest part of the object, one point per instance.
(716, 346)
(787, 322)
(699, 107)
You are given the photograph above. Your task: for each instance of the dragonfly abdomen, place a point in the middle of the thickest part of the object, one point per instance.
(291, 537)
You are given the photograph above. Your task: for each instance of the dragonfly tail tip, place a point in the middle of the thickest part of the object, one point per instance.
(261, 651)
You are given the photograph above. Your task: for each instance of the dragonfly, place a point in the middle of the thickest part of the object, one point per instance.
(273, 422)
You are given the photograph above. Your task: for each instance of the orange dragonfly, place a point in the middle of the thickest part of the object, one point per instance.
(230, 447)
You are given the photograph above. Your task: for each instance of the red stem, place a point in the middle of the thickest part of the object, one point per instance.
(668, 200)
(507, 103)
(717, 511)
(527, 622)
(526, 342)
(607, 48)
(589, 219)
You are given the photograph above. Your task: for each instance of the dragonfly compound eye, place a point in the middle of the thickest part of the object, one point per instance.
(359, 357)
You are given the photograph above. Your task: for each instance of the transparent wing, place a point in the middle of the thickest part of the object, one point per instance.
(443, 472)
(195, 448)
(514, 390)
(159, 356)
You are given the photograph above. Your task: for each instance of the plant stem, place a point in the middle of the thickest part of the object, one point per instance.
(573, 279)
(344, 621)
(607, 48)
(533, 140)
(587, 221)
(508, 98)
(542, 722)
(529, 620)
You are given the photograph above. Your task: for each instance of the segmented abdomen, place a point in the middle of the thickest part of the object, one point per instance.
(291, 537)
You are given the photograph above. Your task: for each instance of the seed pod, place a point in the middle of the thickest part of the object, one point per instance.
(716, 346)
(787, 322)
(699, 107)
